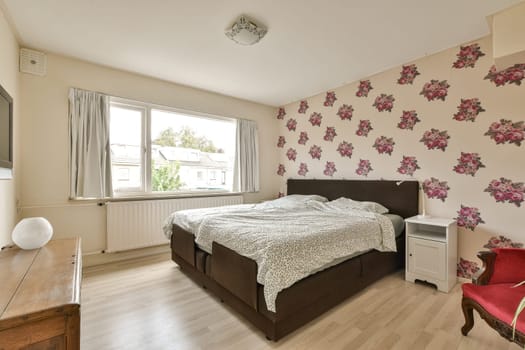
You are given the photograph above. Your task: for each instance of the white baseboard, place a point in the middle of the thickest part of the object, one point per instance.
(105, 258)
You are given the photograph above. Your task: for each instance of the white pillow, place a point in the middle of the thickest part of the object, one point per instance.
(305, 198)
(347, 203)
(292, 201)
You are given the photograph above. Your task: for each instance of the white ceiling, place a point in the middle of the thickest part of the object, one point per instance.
(311, 45)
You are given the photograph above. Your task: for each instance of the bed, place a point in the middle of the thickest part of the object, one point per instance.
(234, 277)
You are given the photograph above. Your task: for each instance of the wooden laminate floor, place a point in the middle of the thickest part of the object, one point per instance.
(149, 304)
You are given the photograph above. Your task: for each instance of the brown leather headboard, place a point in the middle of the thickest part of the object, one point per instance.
(400, 197)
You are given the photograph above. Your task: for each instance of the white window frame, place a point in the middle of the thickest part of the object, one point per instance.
(120, 103)
(146, 155)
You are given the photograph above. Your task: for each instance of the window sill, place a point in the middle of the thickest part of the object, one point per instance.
(125, 198)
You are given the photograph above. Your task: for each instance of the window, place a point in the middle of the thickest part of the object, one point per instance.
(123, 174)
(163, 150)
(126, 139)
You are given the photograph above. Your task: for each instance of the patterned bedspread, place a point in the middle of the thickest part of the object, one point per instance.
(288, 243)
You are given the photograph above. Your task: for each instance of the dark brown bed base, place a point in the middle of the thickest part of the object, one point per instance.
(233, 278)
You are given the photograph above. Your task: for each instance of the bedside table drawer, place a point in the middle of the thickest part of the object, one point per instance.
(427, 258)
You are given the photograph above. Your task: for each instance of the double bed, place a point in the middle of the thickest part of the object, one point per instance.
(282, 279)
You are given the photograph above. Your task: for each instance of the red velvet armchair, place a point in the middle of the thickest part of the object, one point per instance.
(493, 295)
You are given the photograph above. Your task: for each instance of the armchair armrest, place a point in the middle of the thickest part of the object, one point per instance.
(501, 265)
(483, 276)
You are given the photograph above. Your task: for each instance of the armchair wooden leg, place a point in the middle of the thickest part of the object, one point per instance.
(469, 316)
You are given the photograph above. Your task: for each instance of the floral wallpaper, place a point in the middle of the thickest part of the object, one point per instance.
(467, 269)
(450, 120)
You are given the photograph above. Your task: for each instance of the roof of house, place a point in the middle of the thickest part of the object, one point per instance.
(130, 154)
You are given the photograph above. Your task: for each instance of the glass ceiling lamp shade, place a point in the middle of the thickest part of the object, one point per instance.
(245, 32)
(32, 233)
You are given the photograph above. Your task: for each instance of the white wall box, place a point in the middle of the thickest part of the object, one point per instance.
(431, 254)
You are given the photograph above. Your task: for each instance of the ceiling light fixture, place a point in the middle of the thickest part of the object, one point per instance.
(245, 32)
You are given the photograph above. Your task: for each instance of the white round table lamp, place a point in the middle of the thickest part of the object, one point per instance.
(32, 233)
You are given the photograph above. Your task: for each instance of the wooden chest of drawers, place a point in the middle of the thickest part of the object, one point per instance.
(40, 296)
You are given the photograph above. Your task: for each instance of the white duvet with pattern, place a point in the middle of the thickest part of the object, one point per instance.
(288, 244)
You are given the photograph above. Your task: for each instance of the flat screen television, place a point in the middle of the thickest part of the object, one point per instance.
(6, 130)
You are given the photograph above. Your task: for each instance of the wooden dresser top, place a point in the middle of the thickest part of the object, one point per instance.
(40, 280)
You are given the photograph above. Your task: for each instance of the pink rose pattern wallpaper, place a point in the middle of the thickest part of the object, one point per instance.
(291, 154)
(303, 138)
(364, 167)
(315, 119)
(408, 166)
(281, 142)
(329, 134)
(345, 149)
(329, 169)
(468, 56)
(364, 88)
(281, 113)
(315, 152)
(303, 169)
(331, 131)
(281, 170)
(466, 268)
(511, 75)
(435, 139)
(469, 217)
(408, 74)
(330, 99)
(435, 90)
(364, 128)
(303, 106)
(433, 188)
(504, 190)
(345, 112)
(384, 144)
(468, 110)
(506, 131)
(408, 120)
(291, 124)
(384, 102)
(468, 164)
(502, 242)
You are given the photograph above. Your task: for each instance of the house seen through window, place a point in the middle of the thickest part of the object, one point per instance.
(167, 151)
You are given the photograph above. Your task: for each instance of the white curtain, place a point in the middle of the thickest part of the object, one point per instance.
(247, 156)
(90, 163)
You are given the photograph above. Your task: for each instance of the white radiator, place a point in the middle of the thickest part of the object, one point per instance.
(138, 224)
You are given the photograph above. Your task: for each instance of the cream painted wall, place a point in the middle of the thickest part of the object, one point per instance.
(508, 31)
(44, 133)
(9, 79)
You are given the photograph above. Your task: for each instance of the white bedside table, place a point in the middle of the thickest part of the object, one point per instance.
(431, 253)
